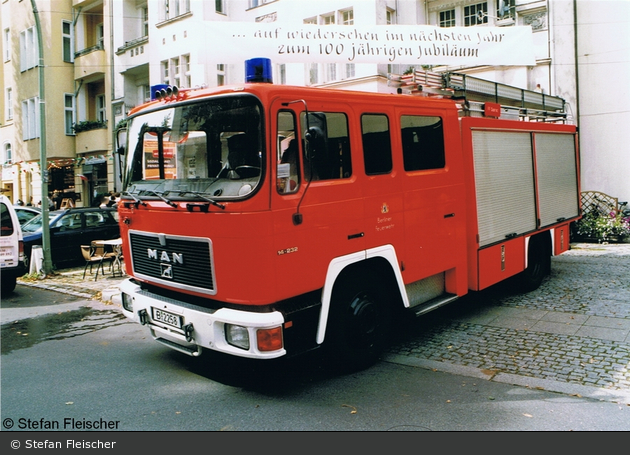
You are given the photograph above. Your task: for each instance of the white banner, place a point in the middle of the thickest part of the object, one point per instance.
(385, 44)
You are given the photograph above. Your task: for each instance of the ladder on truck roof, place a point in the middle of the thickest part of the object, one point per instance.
(472, 93)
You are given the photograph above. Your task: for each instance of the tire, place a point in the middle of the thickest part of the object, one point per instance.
(538, 266)
(8, 284)
(359, 324)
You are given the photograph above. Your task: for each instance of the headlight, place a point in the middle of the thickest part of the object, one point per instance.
(127, 302)
(237, 336)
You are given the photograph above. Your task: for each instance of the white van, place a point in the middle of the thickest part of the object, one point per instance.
(12, 259)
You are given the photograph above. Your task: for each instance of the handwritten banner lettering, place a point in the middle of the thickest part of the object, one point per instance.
(382, 44)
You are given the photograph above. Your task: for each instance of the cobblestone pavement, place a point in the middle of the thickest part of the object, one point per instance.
(572, 335)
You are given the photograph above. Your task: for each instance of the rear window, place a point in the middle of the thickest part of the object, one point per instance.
(7, 221)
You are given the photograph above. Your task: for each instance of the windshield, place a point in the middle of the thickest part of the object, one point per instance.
(210, 149)
(33, 225)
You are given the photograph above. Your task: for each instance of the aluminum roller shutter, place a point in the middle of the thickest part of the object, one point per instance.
(504, 184)
(556, 170)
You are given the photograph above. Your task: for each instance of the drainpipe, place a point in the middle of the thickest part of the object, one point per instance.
(112, 93)
(47, 265)
(577, 67)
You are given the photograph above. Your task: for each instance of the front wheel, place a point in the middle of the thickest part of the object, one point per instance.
(8, 284)
(359, 324)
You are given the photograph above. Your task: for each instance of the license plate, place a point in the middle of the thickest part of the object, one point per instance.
(167, 318)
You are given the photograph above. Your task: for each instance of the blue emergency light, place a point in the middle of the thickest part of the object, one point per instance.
(258, 70)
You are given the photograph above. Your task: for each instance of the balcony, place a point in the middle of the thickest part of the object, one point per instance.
(90, 64)
(92, 140)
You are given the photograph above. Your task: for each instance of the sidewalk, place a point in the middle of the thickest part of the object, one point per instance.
(572, 335)
(70, 281)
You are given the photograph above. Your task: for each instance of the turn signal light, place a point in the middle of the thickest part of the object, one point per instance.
(269, 339)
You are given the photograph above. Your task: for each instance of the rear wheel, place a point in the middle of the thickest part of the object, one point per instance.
(359, 324)
(538, 265)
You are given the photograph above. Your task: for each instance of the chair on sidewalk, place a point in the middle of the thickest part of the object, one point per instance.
(92, 257)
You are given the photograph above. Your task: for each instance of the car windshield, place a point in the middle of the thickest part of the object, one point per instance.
(33, 225)
(206, 149)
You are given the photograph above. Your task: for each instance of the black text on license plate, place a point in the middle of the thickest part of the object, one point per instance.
(167, 318)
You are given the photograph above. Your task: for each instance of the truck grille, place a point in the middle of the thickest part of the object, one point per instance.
(177, 261)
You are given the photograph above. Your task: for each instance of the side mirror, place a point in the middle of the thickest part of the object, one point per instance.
(121, 140)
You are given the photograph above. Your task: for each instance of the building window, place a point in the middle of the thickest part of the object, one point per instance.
(6, 42)
(173, 8)
(67, 41)
(30, 118)
(165, 74)
(219, 6)
(101, 109)
(220, 74)
(100, 36)
(331, 72)
(506, 9)
(144, 13)
(69, 114)
(312, 74)
(255, 3)
(447, 18)
(8, 101)
(145, 93)
(175, 70)
(282, 70)
(476, 14)
(7, 154)
(328, 19)
(350, 70)
(29, 53)
(186, 77)
(390, 16)
(347, 17)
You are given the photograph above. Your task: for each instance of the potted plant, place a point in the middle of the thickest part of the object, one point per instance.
(87, 125)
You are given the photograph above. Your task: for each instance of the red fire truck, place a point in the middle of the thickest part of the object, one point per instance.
(265, 220)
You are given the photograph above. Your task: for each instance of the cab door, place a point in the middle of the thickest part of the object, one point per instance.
(434, 197)
(316, 202)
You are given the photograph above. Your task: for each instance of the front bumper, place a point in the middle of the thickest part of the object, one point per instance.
(200, 327)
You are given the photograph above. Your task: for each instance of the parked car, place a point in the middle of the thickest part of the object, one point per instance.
(12, 258)
(26, 213)
(71, 228)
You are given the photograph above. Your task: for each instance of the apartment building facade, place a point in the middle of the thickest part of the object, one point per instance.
(103, 57)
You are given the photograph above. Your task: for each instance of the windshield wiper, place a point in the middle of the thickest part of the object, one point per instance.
(205, 198)
(137, 200)
(168, 201)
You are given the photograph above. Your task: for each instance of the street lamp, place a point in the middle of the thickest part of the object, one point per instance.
(47, 265)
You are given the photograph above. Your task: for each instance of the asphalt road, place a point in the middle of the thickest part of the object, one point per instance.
(498, 361)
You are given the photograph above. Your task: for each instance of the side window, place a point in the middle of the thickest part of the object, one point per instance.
(69, 222)
(288, 154)
(422, 142)
(93, 219)
(7, 223)
(327, 156)
(377, 145)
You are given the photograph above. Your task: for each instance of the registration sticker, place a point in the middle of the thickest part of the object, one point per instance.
(167, 318)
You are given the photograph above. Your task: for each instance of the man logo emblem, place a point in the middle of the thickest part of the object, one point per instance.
(166, 271)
